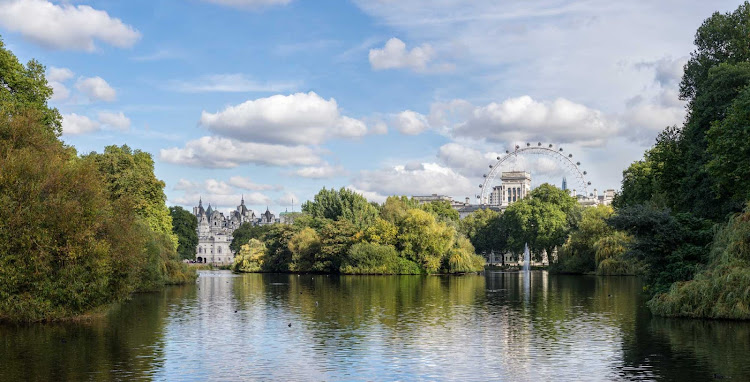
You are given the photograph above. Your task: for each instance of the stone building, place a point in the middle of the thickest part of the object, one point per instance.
(215, 232)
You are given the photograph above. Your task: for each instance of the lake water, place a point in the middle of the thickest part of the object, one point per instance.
(500, 326)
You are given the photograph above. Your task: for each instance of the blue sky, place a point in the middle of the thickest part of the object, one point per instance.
(275, 99)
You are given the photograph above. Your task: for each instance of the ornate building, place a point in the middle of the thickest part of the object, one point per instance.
(215, 232)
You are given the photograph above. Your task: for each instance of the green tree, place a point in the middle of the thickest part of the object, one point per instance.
(130, 173)
(395, 207)
(542, 220)
(424, 240)
(184, 225)
(671, 247)
(729, 148)
(442, 210)
(245, 232)
(304, 246)
(344, 203)
(578, 254)
(336, 237)
(484, 229)
(250, 257)
(24, 88)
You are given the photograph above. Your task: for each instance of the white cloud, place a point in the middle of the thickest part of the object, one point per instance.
(320, 172)
(65, 26)
(288, 200)
(228, 83)
(74, 124)
(59, 91)
(217, 152)
(96, 88)
(525, 119)
(300, 118)
(59, 74)
(410, 122)
(369, 195)
(429, 178)
(246, 184)
(379, 128)
(218, 193)
(667, 71)
(115, 120)
(394, 55)
(248, 4)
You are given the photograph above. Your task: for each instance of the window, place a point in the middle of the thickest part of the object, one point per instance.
(219, 249)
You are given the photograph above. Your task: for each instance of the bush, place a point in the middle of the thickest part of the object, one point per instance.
(376, 259)
(722, 290)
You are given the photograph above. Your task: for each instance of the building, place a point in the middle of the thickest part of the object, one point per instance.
(515, 185)
(215, 230)
(422, 199)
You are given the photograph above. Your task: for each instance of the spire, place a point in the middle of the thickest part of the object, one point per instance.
(242, 202)
(200, 201)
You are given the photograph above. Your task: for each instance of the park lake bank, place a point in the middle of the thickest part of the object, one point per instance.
(507, 325)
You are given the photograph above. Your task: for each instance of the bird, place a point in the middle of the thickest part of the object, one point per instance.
(290, 325)
(235, 311)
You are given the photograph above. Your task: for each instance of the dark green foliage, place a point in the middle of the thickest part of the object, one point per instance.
(672, 247)
(578, 255)
(244, 233)
(485, 230)
(278, 254)
(723, 289)
(184, 225)
(344, 203)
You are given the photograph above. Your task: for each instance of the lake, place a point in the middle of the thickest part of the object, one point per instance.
(498, 326)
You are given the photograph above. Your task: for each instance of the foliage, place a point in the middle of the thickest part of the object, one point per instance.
(184, 225)
(672, 247)
(374, 259)
(304, 246)
(244, 233)
(542, 224)
(485, 230)
(610, 255)
(395, 207)
(461, 258)
(65, 249)
(442, 209)
(344, 203)
(130, 173)
(424, 240)
(24, 89)
(723, 289)
(278, 255)
(578, 253)
(250, 257)
(381, 232)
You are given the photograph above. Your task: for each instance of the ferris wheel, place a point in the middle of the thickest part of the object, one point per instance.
(550, 151)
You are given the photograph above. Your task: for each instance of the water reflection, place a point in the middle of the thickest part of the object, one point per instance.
(500, 326)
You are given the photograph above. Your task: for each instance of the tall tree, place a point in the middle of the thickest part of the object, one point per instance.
(184, 225)
(344, 203)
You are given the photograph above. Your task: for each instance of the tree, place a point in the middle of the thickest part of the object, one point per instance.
(484, 229)
(344, 203)
(424, 240)
(130, 174)
(24, 88)
(672, 247)
(395, 207)
(729, 148)
(245, 232)
(250, 257)
(578, 254)
(304, 245)
(184, 225)
(442, 209)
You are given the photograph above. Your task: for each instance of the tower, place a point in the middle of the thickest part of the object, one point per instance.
(564, 184)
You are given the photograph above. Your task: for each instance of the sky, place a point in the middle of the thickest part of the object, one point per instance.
(275, 99)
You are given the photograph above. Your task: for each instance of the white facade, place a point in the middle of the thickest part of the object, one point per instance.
(215, 232)
(514, 187)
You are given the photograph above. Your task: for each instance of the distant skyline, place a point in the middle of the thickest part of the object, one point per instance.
(275, 99)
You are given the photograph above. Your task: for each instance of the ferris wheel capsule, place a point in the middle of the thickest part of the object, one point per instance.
(480, 186)
(550, 145)
(578, 163)
(570, 155)
(584, 173)
(528, 144)
(539, 143)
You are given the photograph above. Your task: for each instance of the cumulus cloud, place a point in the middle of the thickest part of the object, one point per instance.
(218, 193)
(525, 119)
(410, 122)
(115, 120)
(60, 92)
(430, 178)
(228, 83)
(246, 184)
(218, 152)
(96, 88)
(300, 118)
(248, 4)
(465, 160)
(667, 70)
(394, 55)
(65, 26)
(369, 195)
(320, 172)
(59, 74)
(288, 200)
(74, 124)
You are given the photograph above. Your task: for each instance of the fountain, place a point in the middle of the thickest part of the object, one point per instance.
(526, 258)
